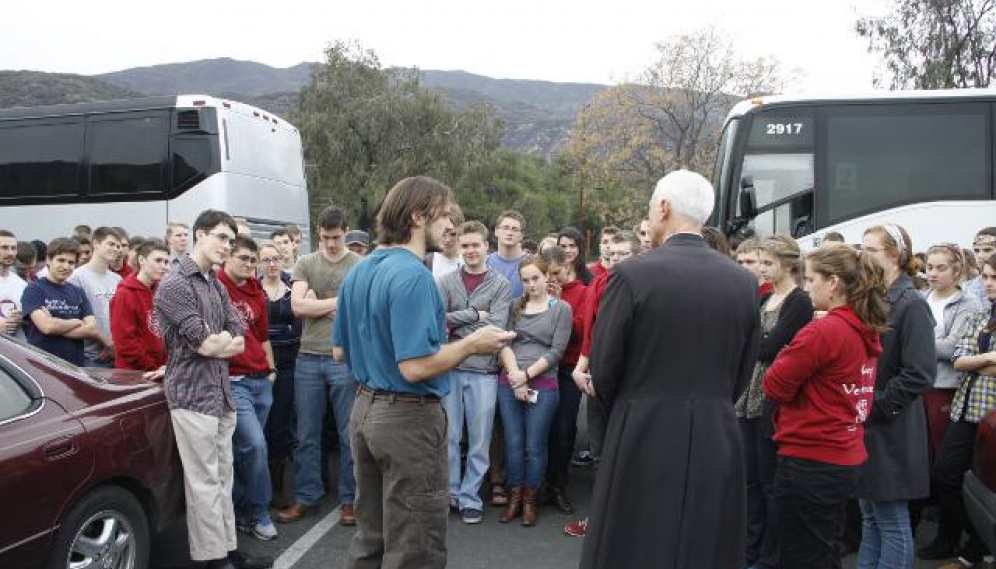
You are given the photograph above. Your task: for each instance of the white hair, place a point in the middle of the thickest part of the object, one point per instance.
(689, 194)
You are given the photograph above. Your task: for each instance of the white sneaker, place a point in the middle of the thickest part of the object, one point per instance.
(264, 530)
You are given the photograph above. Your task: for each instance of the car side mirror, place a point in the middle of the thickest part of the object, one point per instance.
(748, 201)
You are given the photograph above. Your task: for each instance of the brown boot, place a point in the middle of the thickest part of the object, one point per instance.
(295, 512)
(514, 506)
(529, 507)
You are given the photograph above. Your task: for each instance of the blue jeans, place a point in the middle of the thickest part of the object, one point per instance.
(527, 431)
(318, 381)
(251, 491)
(886, 536)
(473, 397)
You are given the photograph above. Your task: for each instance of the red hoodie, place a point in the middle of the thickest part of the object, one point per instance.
(125, 271)
(824, 382)
(592, 296)
(573, 293)
(135, 328)
(597, 269)
(249, 301)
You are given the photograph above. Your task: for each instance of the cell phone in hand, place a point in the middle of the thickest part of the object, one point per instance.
(532, 395)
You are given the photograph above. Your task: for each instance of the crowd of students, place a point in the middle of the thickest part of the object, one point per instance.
(873, 371)
(919, 329)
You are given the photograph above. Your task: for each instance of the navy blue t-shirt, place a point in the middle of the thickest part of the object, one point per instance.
(66, 301)
(390, 311)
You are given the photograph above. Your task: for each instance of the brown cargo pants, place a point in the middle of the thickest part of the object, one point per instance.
(402, 492)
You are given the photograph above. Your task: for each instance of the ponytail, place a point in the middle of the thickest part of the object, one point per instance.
(518, 306)
(863, 279)
(867, 297)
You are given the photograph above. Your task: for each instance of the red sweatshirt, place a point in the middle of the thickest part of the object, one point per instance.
(135, 328)
(592, 296)
(249, 301)
(825, 381)
(573, 293)
(764, 289)
(125, 271)
(597, 269)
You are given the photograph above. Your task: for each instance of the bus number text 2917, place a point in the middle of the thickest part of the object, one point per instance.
(784, 128)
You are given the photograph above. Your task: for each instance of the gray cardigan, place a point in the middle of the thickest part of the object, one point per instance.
(542, 335)
(961, 308)
(493, 296)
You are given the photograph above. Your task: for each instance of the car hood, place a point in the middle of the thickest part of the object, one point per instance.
(119, 378)
(75, 388)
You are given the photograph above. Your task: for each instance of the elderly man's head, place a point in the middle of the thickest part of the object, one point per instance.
(682, 201)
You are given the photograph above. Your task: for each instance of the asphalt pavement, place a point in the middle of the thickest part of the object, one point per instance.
(320, 542)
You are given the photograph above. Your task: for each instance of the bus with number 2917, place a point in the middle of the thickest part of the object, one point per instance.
(805, 166)
(141, 163)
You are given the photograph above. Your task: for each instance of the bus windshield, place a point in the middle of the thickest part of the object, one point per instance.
(845, 164)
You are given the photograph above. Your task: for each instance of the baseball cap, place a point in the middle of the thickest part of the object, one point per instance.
(357, 236)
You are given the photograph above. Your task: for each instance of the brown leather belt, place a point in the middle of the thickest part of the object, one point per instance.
(395, 396)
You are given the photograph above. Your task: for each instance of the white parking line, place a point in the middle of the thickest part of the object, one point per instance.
(296, 551)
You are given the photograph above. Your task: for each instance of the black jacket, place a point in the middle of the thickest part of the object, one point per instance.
(795, 312)
(898, 466)
(674, 344)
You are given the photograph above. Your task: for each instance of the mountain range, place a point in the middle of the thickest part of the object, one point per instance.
(538, 114)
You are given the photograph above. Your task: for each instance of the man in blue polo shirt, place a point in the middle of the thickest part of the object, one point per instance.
(390, 329)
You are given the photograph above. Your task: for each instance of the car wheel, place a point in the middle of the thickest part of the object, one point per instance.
(106, 529)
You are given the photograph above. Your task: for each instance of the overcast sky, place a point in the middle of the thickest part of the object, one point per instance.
(556, 40)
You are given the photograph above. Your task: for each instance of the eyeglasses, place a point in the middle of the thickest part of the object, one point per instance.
(270, 260)
(509, 228)
(252, 260)
(224, 238)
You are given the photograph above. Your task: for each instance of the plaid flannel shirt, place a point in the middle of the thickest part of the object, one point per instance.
(977, 394)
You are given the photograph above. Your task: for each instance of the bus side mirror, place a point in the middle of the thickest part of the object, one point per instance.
(748, 201)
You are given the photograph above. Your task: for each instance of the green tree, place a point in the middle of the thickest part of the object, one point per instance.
(364, 127)
(509, 179)
(934, 44)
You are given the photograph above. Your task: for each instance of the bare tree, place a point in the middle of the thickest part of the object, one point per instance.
(668, 117)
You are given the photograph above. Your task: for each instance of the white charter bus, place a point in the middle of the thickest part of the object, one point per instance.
(139, 163)
(804, 166)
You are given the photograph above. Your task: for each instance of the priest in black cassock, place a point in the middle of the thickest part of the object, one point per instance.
(675, 342)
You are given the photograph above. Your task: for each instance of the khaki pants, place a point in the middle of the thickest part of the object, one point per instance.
(205, 445)
(402, 489)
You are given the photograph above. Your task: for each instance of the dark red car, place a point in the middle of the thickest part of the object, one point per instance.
(980, 483)
(89, 470)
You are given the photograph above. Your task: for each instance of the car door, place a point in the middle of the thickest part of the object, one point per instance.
(42, 465)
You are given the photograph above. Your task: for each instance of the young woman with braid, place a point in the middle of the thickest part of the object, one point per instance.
(785, 309)
(528, 390)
